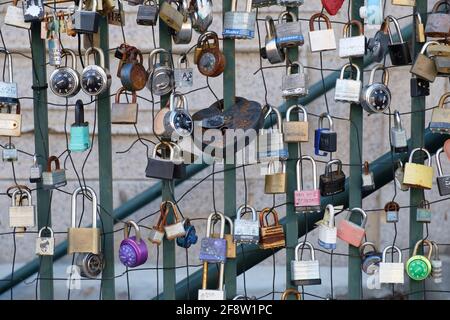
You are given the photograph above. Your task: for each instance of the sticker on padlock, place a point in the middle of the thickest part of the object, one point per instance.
(327, 230)
(246, 231)
(33, 10)
(45, 246)
(305, 272)
(214, 250)
(239, 24)
(306, 200)
(289, 31)
(184, 75)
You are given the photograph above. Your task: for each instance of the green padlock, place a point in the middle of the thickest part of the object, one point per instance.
(79, 131)
(423, 212)
(418, 267)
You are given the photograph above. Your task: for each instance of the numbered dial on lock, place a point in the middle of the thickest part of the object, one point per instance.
(95, 79)
(65, 81)
(376, 96)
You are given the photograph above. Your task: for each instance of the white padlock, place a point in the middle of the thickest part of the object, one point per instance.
(348, 90)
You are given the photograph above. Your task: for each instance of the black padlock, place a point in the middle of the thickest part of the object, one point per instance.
(86, 21)
(332, 182)
(159, 168)
(398, 51)
(328, 137)
(420, 87)
(147, 14)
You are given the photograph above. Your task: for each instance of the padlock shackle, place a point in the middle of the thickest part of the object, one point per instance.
(264, 214)
(331, 214)
(207, 36)
(366, 244)
(163, 212)
(130, 224)
(301, 245)
(270, 27)
(354, 66)
(426, 45)
(286, 14)
(438, 161)
(392, 206)
(435, 250)
(68, 52)
(252, 210)
(45, 228)
(181, 104)
(279, 118)
(22, 192)
(174, 210)
(289, 292)
(385, 78)
(438, 4)
(91, 191)
(419, 18)
(362, 213)
(397, 29)
(205, 275)
(329, 165)
(425, 242)
(35, 163)
(10, 65)
(393, 248)
(95, 50)
(330, 121)
(300, 108)
(154, 55)
(299, 168)
(444, 97)
(121, 91)
(357, 23)
(49, 163)
(317, 16)
(183, 59)
(10, 145)
(209, 224)
(423, 150)
(79, 112)
(397, 120)
(424, 204)
(299, 65)
(271, 167)
(160, 144)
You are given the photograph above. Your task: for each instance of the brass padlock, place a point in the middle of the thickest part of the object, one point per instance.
(296, 131)
(271, 236)
(441, 57)
(84, 240)
(424, 66)
(440, 118)
(418, 175)
(171, 16)
(420, 29)
(438, 23)
(124, 113)
(275, 182)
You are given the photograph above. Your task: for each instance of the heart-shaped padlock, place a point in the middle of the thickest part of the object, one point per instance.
(332, 6)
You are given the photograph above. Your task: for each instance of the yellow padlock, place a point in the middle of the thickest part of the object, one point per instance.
(418, 175)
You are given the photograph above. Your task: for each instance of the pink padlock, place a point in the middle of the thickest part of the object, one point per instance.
(350, 232)
(307, 200)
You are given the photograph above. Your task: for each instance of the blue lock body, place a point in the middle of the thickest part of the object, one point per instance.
(190, 238)
(79, 131)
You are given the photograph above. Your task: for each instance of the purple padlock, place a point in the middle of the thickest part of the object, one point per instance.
(133, 250)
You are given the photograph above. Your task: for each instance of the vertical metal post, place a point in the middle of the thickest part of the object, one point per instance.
(41, 149)
(169, 263)
(105, 173)
(417, 140)
(291, 216)
(229, 93)
(356, 147)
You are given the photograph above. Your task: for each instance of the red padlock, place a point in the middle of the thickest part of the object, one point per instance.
(350, 232)
(332, 6)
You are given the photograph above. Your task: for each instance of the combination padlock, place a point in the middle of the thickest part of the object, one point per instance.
(370, 260)
(133, 250)
(208, 57)
(90, 264)
(95, 79)
(65, 80)
(418, 267)
(160, 74)
(376, 96)
(133, 75)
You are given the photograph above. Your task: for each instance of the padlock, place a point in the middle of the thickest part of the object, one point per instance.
(79, 130)
(290, 3)
(370, 260)
(441, 56)
(10, 123)
(399, 175)
(419, 87)
(160, 168)
(85, 21)
(246, 231)
(183, 74)
(321, 40)
(133, 250)
(392, 209)
(35, 171)
(350, 232)
(436, 264)
(418, 267)
(325, 139)
(294, 84)
(133, 75)
(424, 66)
(263, 3)
(420, 29)
(156, 234)
(190, 238)
(418, 175)
(289, 292)
(408, 3)
(305, 272)
(231, 244)
(160, 74)
(54, 43)
(275, 182)
(175, 229)
(8, 91)
(377, 46)
(306, 200)
(423, 212)
(45, 246)
(212, 294)
(352, 46)
(272, 51)
(33, 10)
(179, 170)
(376, 96)
(147, 14)
(368, 181)
(398, 135)
(208, 57)
(95, 79)
(202, 16)
(332, 182)
(184, 36)
(214, 249)
(65, 80)
(296, 131)
(327, 229)
(271, 236)
(175, 122)
(391, 272)
(124, 112)
(170, 15)
(22, 215)
(15, 16)
(84, 240)
(239, 24)
(288, 31)
(52, 179)
(271, 145)
(90, 264)
(9, 153)
(398, 51)
(438, 23)
(443, 180)
(348, 90)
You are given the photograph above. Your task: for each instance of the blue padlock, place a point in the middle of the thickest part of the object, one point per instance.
(190, 238)
(79, 131)
(317, 151)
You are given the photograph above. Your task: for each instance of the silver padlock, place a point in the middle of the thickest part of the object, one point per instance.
(327, 229)
(160, 74)
(289, 33)
(398, 135)
(352, 46)
(202, 16)
(15, 17)
(368, 181)
(321, 40)
(272, 51)
(246, 231)
(271, 145)
(399, 175)
(305, 272)
(183, 74)
(184, 36)
(175, 229)
(9, 153)
(45, 246)
(35, 171)
(54, 44)
(85, 21)
(294, 84)
(348, 90)
(21, 215)
(8, 90)
(52, 179)
(391, 272)
(436, 265)
(239, 24)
